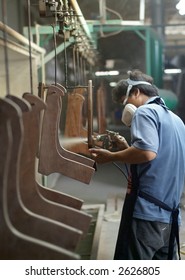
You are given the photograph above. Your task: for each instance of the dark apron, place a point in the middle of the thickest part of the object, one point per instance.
(121, 251)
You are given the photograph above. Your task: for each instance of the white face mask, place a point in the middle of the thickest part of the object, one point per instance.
(128, 113)
(130, 109)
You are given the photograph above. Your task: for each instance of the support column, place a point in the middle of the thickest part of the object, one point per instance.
(158, 18)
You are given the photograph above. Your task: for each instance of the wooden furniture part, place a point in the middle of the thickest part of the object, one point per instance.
(55, 196)
(64, 152)
(15, 243)
(74, 122)
(29, 186)
(59, 197)
(74, 118)
(68, 153)
(22, 184)
(53, 161)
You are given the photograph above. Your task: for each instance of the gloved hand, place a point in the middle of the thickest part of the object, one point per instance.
(120, 142)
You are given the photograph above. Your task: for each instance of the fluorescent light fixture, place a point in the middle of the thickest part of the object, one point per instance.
(112, 84)
(172, 71)
(107, 73)
(181, 7)
(132, 22)
(110, 64)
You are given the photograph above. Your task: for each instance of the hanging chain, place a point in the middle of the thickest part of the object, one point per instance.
(65, 63)
(4, 18)
(30, 50)
(74, 64)
(84, 72)
(55, 49)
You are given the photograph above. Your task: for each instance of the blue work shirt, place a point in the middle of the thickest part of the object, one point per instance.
(157, 129)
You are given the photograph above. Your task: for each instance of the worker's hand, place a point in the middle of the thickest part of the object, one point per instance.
(101, 155)
(120, 142)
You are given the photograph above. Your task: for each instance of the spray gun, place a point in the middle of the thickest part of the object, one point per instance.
(111, 140)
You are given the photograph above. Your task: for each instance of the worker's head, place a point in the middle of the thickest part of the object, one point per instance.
(135, 90)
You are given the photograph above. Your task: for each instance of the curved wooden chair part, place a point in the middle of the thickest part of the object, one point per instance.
(15, 242)
(59, 197)
(55, 196)
(74, 122)
(64, 152)
(27, 202)
(29, 186)
(54, 161)
(72, 152)
(74, 119)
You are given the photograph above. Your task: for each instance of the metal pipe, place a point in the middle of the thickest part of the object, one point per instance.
(102, 9)
(142, 10)
(90, 114)
(20, 38)
(81, 19)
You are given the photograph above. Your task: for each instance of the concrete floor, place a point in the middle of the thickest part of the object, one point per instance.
(108, 187)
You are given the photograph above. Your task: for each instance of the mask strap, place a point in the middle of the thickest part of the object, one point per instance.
(132, 83)
(127, 94)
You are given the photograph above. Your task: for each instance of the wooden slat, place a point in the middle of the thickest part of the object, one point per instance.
(53, 161)
(57, 197)
(65, 153)
(74, 122)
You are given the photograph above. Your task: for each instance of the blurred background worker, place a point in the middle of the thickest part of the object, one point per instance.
(149, 227)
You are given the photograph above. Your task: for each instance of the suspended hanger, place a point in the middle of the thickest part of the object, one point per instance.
(54, 161)
(41, 205)
(61, 160)
(65, 153)
(49, 194)
(69, 25)
(45, 192)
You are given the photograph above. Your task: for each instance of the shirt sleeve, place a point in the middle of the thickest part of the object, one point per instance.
(144, 129)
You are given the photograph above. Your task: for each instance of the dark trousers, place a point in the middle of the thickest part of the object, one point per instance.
(149, 241)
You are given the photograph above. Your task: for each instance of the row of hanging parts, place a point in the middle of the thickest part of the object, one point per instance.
(36, 222)
(79, 96)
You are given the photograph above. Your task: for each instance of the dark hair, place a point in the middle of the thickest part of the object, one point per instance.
(136, 75)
